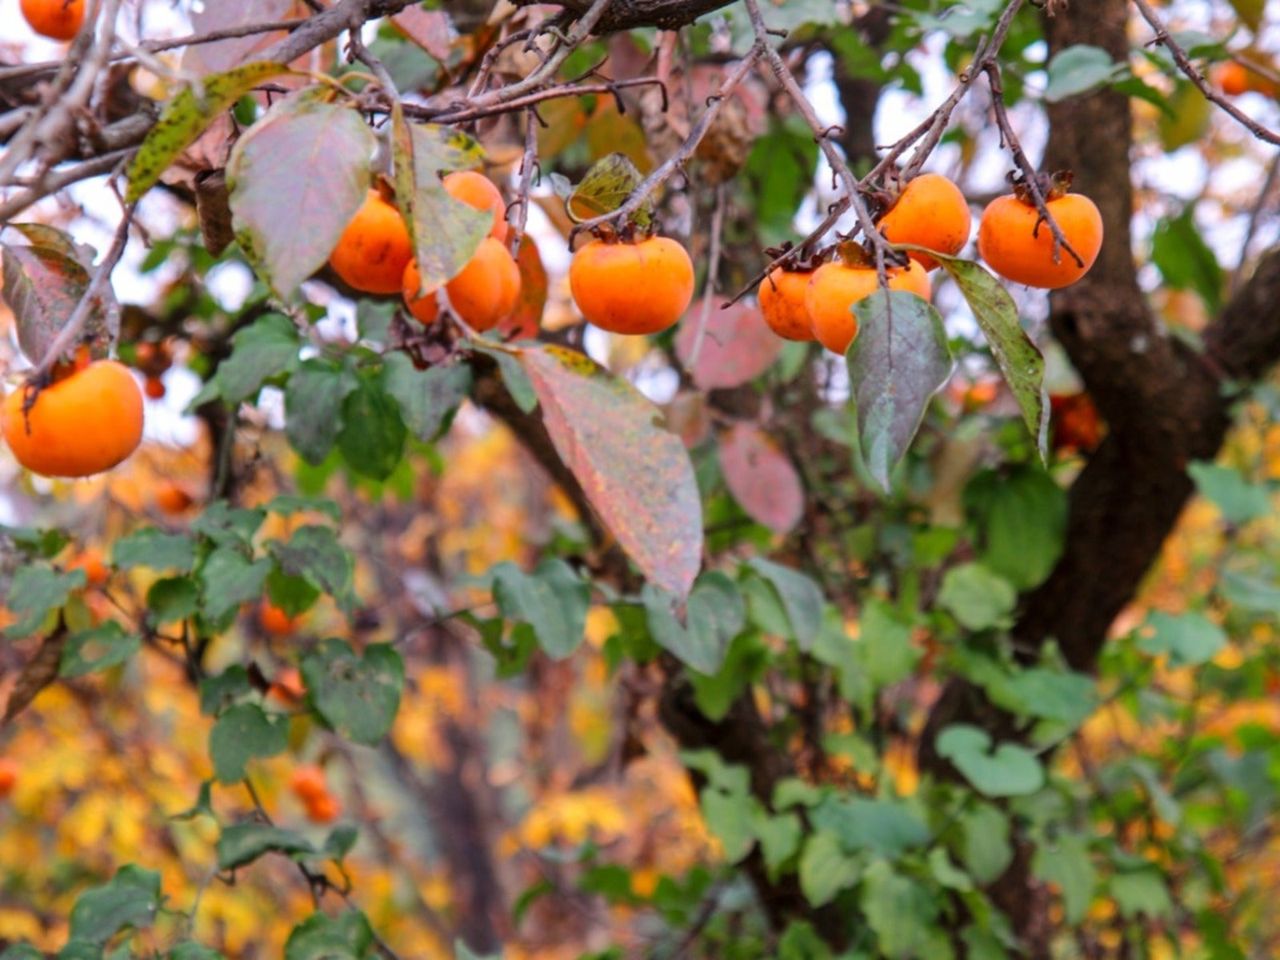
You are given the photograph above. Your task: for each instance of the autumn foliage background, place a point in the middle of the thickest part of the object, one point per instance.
(572, 771)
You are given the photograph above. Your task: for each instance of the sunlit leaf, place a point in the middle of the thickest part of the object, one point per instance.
(1078, 69)
(636, 474)
(607, 186)
(297, 177)
(187, 116)
(445, 231)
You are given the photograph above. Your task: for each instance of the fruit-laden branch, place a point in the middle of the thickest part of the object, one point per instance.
(629, 14)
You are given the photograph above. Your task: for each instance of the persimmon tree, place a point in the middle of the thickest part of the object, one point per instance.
(843, 562)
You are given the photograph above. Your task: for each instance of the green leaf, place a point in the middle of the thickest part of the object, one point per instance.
(825, 869)
(1078, 69)
(636, 474)
(1021, 517)
(985, 847)
(976, 597)
(228, 526)
(714, 614)
(427, 398)
(1250, 12)
(154, 549)
(1067, 698)
(800, 597)
(898, 361)
(186, 116)
(947, 873)
(347, 936)
(243, 732)
(607, 186)
(172, 598)
(1185, 261)
(552, 600)
(1188, 118)
(1141, 891)
(898, 910)
(1250, 592)
(77, 949)
(21, 951)
(513, 377)
(45, 544)
(1239, 500)
(35, 591)
(202, 806)
(340, 842)
(268, 347)
(1019, 359)
(193, 951)
(288, 504)
(884, 639)
(313, 400)
(357, 696)
(219, 691)
(1011, 771)
(246, 842)
(730, 816)
(297, 177)
(372, 436)
(130, 899)
(885, 827)
(1187, 640)
(779, 837)
(1066, 864)
(99, 648)
(445, 232)
(228, 580)
(314, 554)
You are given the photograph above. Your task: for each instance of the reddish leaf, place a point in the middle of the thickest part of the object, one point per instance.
(635, 473)
(429, 29)
(297, 177)
(761, 478)
(689, 416)
(42, 286)
(736, 346)
(526, 320)
(224, 54)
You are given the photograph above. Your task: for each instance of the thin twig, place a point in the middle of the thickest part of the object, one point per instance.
(52, 182)
(1202, 84)
(713, 270)
(454, 113)
(1255, 214)
(1030, 178)
(528, 164)
(668, 167)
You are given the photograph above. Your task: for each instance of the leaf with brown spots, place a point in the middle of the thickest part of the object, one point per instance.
(42, 286)
(526, 320)
(634, 472)
(761, 478)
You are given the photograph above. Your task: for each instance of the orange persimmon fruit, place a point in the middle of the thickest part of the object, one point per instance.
(835, 287)
(275, 621)
(323, 809)
(1016, 244)
(94, 565)
(782, 303)
(483, 293)
(930, 212)
(632, 288)
(373, 249)
(308, 783)
(56, 19)
(82, 424)
(8, 776)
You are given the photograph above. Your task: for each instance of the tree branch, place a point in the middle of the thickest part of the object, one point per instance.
(629, 14)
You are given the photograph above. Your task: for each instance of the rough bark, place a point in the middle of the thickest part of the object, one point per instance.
(629, 14)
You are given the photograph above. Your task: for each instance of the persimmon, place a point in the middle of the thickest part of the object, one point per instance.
(94, 565)
(8, 776)
(373, 249)
(1232, 78)
(478, 191)
(1019, 246)
(929, 212)
(835, 287)
(308, 783)
(323, 809)
(632, 288)
(483, 294)
(782, 303)
(1076, 424)
(172, 499)
(57, 19)
(83, 424)
(154, 388)
(287, 686)
(275, 621)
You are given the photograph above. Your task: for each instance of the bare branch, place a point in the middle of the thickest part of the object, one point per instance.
(1195, 76)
